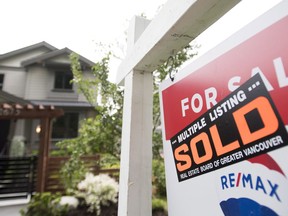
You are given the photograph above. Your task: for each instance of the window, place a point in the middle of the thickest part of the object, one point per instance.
(62, 80)
(66, 126)
(1, 81)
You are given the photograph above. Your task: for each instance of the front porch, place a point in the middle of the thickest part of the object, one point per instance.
(22, 174)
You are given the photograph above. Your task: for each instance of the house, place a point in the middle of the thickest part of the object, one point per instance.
(41, 74)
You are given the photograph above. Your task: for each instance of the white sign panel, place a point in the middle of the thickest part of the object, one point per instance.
(224, 116)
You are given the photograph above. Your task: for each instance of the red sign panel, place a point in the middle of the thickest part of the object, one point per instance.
(266, 53)
(243, 125)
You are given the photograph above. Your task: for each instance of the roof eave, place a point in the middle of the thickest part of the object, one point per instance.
(27, 49)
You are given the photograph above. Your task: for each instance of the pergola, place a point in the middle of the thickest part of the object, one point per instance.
(13, 108)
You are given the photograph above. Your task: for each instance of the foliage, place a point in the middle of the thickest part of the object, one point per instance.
(45, 204)
(97, 191)
(73, 171)
(93, 195)
(99, 134)
(109, 161)
(158, 181)
(102, 134)
(159, 204)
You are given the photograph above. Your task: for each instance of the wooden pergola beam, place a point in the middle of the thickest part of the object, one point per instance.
(18, 111)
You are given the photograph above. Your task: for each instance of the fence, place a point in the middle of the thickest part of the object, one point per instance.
(53, 182)
(17, 177)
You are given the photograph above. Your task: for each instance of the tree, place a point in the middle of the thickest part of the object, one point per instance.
(102, 134)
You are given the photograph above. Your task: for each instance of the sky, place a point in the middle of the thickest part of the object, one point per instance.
(81, 25)
(76, 24)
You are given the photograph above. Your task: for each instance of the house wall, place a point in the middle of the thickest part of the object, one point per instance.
(86, 75)
(19, 128)
(36, 83)
(52, 94)
(15, 74)
(40, 84)
(34, 138)
(14, 81)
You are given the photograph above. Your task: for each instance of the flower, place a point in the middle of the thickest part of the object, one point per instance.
(98, 190)
(69, 200)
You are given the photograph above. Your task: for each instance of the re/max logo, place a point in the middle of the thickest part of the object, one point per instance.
(251, 182)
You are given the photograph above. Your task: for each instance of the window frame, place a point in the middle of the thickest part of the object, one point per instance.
(66, 76)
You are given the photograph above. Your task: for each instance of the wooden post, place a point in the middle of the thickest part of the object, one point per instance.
(43, 153)
(135, 197)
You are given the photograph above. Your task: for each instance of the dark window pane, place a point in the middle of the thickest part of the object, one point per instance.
(1, 81)
(62, 80)
(66, 126)
(67, 83)
(58, 81)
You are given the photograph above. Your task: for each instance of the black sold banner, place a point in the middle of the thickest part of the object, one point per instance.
(242, 125)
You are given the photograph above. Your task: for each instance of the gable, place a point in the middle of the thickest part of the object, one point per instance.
(56, 57)
(14, 58)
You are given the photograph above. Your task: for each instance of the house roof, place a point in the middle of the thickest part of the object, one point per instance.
(7, 98)
(44, 57)
(27, 49)
(12, 107)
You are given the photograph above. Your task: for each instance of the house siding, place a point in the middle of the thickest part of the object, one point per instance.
(37, 83)
(58, 95)
(14, 81)
(86, 75)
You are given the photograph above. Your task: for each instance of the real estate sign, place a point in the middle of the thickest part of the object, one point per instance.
(224, 116)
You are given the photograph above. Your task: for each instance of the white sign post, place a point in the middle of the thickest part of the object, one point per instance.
(136, 149)
(176, 26)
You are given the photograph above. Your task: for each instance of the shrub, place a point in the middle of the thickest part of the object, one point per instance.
(93, 195)
(159, 205)
(159, 182)
(97, 191)
(45, 204)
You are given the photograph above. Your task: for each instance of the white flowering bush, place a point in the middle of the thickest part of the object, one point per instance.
(98, 190)
(69, 201)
